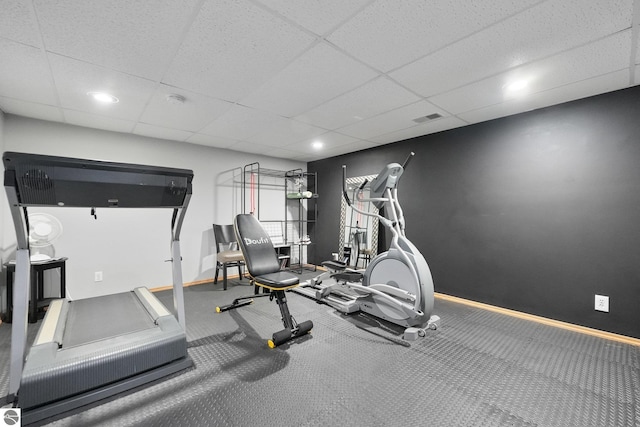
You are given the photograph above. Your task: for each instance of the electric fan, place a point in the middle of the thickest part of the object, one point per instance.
(44, 229)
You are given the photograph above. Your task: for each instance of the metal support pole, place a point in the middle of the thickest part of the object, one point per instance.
(21, 286)
(176, 260)
(178, 291)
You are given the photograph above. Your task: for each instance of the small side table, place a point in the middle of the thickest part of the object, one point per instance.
(36, 299)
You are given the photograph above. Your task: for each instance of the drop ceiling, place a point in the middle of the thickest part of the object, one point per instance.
(273, 76)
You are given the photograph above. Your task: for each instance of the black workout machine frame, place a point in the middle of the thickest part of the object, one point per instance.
(33, 180)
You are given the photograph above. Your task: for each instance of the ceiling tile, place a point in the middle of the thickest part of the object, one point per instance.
(426, 128)
(211, 141)
(96, 121)
(24, 73)
(558, 70)
(306, 157)
(349, 148)
(368, 100)
(285, 132)
(583, 88)
(119, 34)
(232, 48)
(543, 30)
(192, 115)
(161, 132)
(392, 33)
(334, 144)
(318, 17)
(17, 23)
(319, 75)
(241, 122)
(400, 118)
(74, 79)
(31, 109)
(264, 150)
(600, 84)
(329, 140)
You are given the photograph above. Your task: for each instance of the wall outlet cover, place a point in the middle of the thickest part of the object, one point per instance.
(602, 303)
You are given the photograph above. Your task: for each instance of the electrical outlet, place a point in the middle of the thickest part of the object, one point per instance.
(97, 276)
(602, 303)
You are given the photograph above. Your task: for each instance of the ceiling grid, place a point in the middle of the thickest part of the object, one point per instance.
(273, 76)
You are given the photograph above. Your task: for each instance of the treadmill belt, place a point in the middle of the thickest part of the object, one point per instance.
(109, 316)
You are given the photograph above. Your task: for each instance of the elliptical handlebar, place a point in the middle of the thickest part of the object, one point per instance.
(387, 179)
(344, 185)
(383, 188)
(406, 162)
(345, 194)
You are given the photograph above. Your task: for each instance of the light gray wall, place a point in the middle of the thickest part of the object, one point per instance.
(3, 208)
(130, 246)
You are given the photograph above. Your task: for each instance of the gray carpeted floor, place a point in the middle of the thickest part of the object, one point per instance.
(479, 369)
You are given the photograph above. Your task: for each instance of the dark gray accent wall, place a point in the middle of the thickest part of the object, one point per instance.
(536, 212)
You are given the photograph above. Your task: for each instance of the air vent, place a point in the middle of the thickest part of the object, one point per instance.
(427, 118)
(36, 185)
(37, 179)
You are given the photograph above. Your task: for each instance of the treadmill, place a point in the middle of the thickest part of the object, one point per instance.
(90, 349)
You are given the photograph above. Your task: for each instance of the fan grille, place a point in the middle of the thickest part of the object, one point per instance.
(36, 184)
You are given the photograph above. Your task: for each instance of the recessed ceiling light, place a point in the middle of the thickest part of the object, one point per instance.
(103, 97)
(516, 86)
(519, 85)
(317, 144)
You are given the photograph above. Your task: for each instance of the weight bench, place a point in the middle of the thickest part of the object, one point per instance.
(264, 270)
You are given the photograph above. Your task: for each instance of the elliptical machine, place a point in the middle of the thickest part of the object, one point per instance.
(396, 285)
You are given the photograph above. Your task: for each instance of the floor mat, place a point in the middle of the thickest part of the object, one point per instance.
(479, 368)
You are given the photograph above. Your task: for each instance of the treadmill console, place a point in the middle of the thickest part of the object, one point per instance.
(42, 180)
